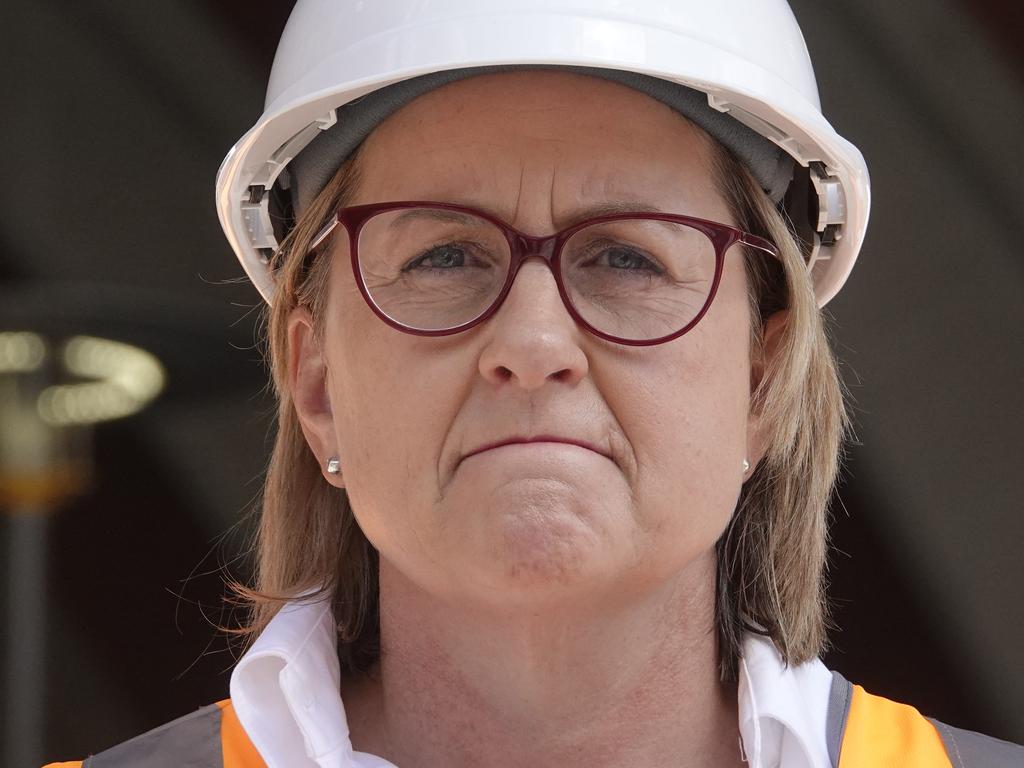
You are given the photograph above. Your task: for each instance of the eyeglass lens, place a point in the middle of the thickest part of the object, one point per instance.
(435, 269)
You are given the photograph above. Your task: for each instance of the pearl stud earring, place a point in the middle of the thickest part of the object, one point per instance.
(333, 465)
(746, 465)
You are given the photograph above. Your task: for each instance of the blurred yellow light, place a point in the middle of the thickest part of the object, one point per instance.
(125, 380)
(21, 351)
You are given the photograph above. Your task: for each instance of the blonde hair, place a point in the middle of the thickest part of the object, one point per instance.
(771, 559)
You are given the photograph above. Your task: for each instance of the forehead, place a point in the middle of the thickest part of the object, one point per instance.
(572, 137)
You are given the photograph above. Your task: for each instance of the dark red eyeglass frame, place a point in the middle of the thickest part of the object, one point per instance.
(547, 247)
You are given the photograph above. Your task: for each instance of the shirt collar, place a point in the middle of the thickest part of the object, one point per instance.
(286, 692)
(782, 708)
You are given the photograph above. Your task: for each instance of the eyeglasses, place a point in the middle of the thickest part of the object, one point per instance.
(434, 269)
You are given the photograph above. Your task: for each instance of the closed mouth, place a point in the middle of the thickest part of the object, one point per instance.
(538, 439)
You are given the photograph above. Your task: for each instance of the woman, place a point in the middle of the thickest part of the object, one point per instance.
(558, 418)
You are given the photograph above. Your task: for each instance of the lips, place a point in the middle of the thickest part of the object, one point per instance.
(539, 439)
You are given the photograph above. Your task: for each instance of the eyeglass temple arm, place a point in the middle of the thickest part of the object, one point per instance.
(760, 244)
(323, 233)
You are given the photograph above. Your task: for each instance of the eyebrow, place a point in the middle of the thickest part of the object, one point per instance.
(437, 214)
(615, 206)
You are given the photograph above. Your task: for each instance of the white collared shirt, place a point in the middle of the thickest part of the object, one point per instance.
(285, 690)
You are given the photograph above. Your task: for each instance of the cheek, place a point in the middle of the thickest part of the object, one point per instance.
(691, 441)
(393, 402)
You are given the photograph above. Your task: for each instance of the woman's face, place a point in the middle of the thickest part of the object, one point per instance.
(542, 521)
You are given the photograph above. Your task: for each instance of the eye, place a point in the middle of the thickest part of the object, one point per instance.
(626, 259)
(440, 257)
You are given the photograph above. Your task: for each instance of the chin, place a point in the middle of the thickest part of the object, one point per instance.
(546, 539)
(529, 568)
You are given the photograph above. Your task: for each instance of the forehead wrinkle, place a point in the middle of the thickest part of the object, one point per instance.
(520, 205)
(519, 192)
(468, 183)
(551, 195)
(577, 200)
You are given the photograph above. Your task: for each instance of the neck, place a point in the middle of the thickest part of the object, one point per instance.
(591, 683)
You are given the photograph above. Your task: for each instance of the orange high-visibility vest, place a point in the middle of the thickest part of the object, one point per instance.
(862, 731)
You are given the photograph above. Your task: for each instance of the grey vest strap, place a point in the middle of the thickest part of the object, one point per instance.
(839, 698)
(967, 749)
(192, 741)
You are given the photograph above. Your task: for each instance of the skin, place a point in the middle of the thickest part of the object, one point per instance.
(541, 604)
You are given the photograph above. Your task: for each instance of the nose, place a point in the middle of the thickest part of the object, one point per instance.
(533, 337)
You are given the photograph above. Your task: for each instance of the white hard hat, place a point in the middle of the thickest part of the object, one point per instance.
(747, 56)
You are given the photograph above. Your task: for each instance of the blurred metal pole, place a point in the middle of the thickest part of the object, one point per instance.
(27, 457)
(26, 641)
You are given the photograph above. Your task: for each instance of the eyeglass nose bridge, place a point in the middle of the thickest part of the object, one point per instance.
(526, 246)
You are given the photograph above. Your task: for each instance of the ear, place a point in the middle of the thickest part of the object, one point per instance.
(771, 335)
(307, 380)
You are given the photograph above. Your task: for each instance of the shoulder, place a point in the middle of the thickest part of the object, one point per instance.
(865, 729)
(211, 736)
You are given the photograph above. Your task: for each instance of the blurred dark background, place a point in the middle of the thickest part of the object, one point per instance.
(116, 116)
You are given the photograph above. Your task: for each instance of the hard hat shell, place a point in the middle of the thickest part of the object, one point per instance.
(747, 55)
